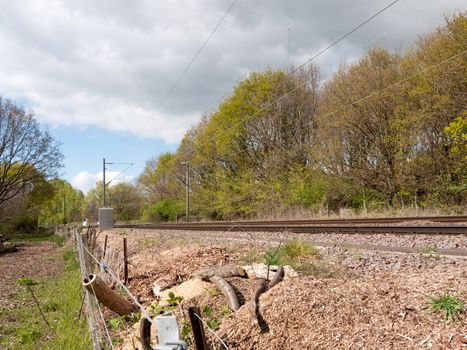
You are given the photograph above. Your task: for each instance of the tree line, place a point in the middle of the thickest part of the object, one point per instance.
(389, 130)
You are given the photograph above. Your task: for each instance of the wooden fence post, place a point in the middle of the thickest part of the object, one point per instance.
(125, 261)
(198, 329)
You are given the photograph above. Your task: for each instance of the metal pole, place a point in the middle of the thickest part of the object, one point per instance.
(103, 182)
(64, 208)
(187, 204)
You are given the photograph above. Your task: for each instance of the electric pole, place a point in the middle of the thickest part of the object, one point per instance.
(187, 191)
(104, 183)
(64, 208)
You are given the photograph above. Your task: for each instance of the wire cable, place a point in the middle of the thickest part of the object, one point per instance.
(120, 173)
(107, 269)
(357, 101)
(185, 70)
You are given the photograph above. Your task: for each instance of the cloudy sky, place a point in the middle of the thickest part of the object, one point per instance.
(94, 71)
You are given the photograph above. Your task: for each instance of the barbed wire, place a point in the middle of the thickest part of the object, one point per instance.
(210, 330)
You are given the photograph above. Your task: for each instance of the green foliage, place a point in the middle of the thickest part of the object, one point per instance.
(430, 252)
(273, 256)
(224, 311)
(290, 253)
(26, 336)
(450, 305)
(26, 281)
(64, 206)
(207, 311)
(49, 307)
(35, 237)
(61, 300)
(166, 210)
(213, 324)
(186, 332)
(173, 300)
(116, 322)
(457, 134)
(265, 152)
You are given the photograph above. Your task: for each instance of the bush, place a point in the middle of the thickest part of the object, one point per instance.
(164, 210)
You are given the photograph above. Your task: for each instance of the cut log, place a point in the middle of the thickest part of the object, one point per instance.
(278, 277)
(226, 289)
(8, 248)
(222, 271)
(259, 287)
(107, 296)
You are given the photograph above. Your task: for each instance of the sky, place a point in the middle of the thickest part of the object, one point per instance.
(95, 72)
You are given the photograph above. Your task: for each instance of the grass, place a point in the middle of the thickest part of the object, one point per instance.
(60, 299)
(429, 251)
(291, 253)
(450, 305)
(36, 237)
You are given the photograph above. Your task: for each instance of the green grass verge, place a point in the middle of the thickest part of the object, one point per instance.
(59, 297)
(35, 237)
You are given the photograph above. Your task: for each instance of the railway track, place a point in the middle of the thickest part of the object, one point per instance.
(320, 226)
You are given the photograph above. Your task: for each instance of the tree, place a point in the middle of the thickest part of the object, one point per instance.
(64, 206)
(27, 154)
(126, 201)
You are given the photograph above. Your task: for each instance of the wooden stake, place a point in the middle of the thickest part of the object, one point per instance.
(198, 330)
(125, 261)
(105, 247)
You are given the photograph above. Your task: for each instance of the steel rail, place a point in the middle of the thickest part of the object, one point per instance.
(437, 219)
(305, 229)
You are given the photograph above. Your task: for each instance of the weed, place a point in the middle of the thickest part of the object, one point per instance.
(429, 252)
(26, 336)
(213, 291)
(49, 307)
(450, 305)
(186, 332)
(225, 310)
(273, 256)
(297, 249)
(213, 324)
(207, 311)
(173, 300)
(290, 253)
(68, 255)
(116, 322)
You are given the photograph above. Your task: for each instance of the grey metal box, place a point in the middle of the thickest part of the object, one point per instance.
(105, 216)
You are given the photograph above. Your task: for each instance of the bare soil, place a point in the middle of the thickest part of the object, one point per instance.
(34, 260)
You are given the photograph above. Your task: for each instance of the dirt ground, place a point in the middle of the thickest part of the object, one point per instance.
(343, 299)
(34, 260)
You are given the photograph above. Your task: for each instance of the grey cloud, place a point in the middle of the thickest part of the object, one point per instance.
(83, 62)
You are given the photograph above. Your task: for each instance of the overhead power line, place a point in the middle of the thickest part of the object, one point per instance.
(183, 73)
(357, 101)
(335, 42)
